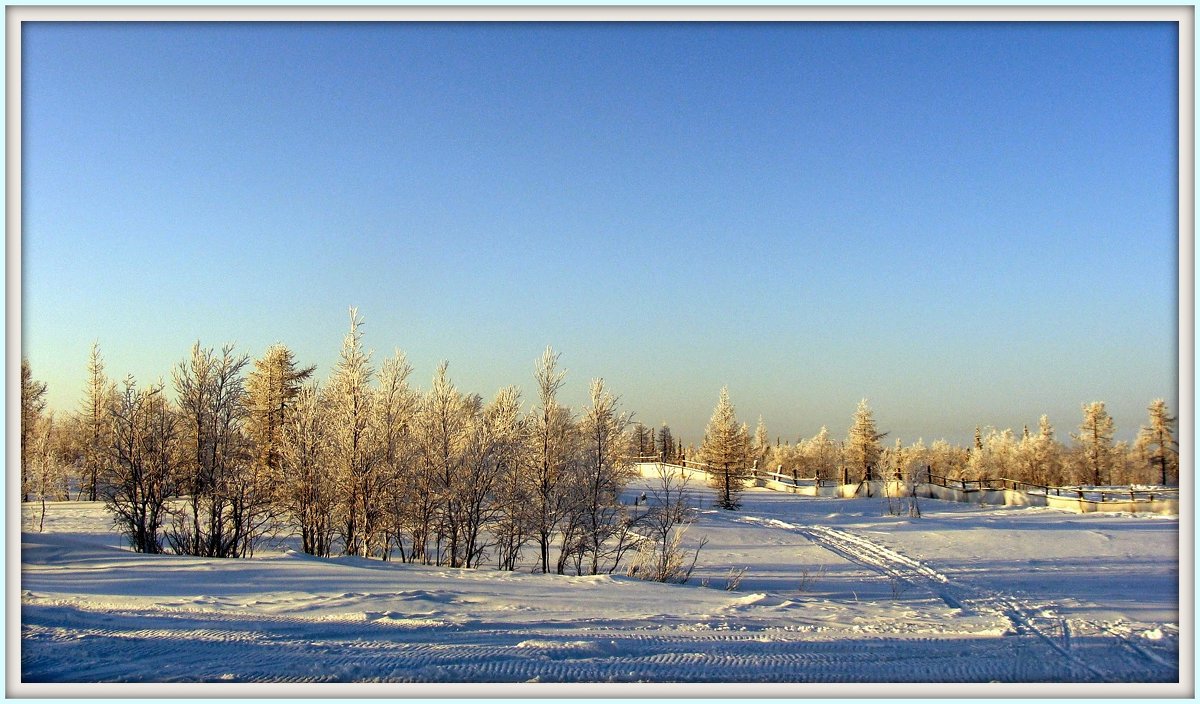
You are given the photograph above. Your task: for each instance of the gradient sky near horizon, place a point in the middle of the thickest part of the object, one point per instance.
(968, 224)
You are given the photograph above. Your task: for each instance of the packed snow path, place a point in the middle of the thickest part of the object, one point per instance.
(877, 611)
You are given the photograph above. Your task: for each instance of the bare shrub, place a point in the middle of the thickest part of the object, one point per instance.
(808, 578)
(734, 579)
(661, 556)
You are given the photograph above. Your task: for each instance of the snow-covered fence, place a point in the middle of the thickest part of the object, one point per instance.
(651, 470)
(1009, 492)
(805, 486)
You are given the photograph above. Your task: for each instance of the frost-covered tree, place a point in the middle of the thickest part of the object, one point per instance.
(227, 506)
(47, 475)
(513, 521)
(1095, 441)
(605, 471)
(489, 454)
(917, 461)
(94, 426)
(760, 448)
(33, 404)
(726, 450)
(996, 456)
(146, 435)
(553, 455)
(906, 467)
(946, 460)
(1127, 467)
(444, 424)
(271, 388)
(394, 419)
(785, 458)
(1157, 440)
(353, 447)
(863, 449)
(1039, 456)
(308, 487)
(892, 461)
(819, 456)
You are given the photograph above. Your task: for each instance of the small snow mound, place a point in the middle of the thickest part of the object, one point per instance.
(748, 599)
(1152, 634)
(571, 649)
(534, 643)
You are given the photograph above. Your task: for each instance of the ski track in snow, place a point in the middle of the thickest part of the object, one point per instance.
(1025, 618)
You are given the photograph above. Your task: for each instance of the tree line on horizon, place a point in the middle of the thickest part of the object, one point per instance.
(365, 464)
(731, 455)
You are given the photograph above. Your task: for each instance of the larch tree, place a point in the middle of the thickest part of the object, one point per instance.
(726, 451)
(1157, 440)
(641, 441)
(271, 389)
(94, 425)
(863, 448)
(1095, 441)
(33, 404)
(666, 444)
(353, 450)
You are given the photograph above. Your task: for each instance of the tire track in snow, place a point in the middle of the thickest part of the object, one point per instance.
(587, 654)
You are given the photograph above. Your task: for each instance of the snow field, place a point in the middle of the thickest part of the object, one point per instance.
(832, 592)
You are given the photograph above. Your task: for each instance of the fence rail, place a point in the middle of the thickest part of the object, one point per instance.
(1104, 494)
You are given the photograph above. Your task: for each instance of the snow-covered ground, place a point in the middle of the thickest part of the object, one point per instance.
(833, 592)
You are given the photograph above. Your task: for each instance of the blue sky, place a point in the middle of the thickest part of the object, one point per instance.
(965, 223)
